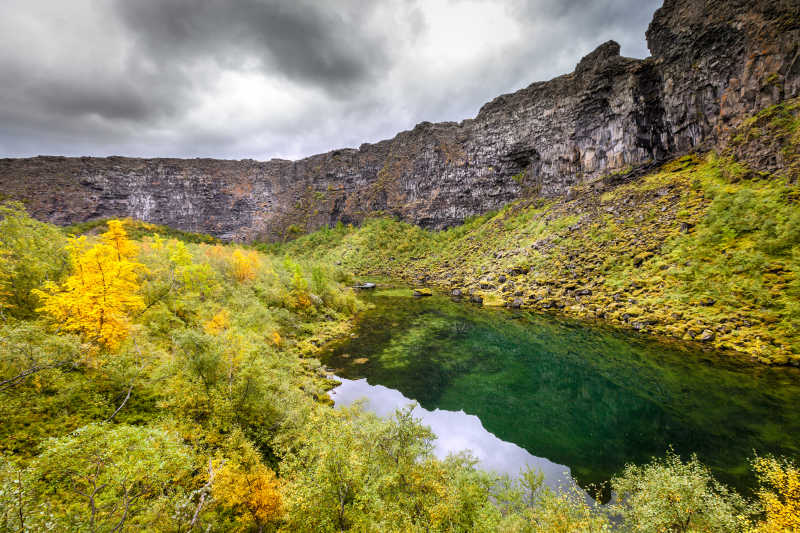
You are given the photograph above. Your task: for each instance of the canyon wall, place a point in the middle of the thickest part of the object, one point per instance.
(713, 63)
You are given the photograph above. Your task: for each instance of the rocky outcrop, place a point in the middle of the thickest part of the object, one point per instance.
(713, 62)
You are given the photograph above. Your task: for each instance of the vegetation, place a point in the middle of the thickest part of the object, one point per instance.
(159, 385)
(702, 250)
(138, 229)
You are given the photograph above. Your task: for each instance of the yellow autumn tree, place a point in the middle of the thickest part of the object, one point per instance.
(253, 493)
(97, 299)
(245, 265)
(117, 239)
(779, 494)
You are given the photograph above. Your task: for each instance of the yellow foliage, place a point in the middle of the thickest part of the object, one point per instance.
(300, 290)
(780, 495)
(218, 323)
(245, 264)
(302, 300)
(216, 251)
(254, 492)
(96, 300)
(117, 238)
(276, 338)
(157, 242)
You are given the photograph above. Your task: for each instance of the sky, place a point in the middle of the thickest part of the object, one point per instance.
(258, 79)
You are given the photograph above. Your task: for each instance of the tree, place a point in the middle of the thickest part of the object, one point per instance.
(252, 491)
(355, 471)
(672, 495)
(779, 494)
(245, 265)
(31, 253)
(97, 299)
(113, 478)
(26, 349)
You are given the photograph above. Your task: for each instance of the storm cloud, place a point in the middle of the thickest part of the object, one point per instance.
(271, 78)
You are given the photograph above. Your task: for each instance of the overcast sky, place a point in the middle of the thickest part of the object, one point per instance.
(276, 78)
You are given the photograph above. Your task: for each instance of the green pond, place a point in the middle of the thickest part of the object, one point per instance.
(576, 401)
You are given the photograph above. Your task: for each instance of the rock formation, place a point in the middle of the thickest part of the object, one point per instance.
(713, 62)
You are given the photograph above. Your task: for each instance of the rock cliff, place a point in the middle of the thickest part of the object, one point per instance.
(713, 62)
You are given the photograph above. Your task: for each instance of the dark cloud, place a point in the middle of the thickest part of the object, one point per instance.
(324, 43)
(121, 100)
(263, 78)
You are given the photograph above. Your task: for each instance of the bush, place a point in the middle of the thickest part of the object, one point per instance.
(672, 495)
(779, 494)
(31, 253)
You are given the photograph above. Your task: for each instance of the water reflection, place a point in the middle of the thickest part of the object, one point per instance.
(587, 398)
(455, 431)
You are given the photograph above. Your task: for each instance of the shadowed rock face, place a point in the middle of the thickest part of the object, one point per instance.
(713, 63)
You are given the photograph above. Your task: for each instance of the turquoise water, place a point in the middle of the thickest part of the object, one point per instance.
(521, 388)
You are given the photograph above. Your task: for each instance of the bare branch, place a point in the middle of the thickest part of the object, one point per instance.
(127, 501)
(8, 383)
(19, 501)
(133, 379)
(203, 492)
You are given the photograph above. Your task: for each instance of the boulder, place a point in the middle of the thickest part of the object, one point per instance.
(706, 336)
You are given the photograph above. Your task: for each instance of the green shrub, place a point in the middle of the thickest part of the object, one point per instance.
(672, 495)
(31, 252)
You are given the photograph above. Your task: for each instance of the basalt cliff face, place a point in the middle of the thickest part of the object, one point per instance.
(713, 62)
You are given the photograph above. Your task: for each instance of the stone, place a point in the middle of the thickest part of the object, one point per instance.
(477, 298)
(516, 304)
(706, 336)
(365, 286)
(419, 293)
(456, 293)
